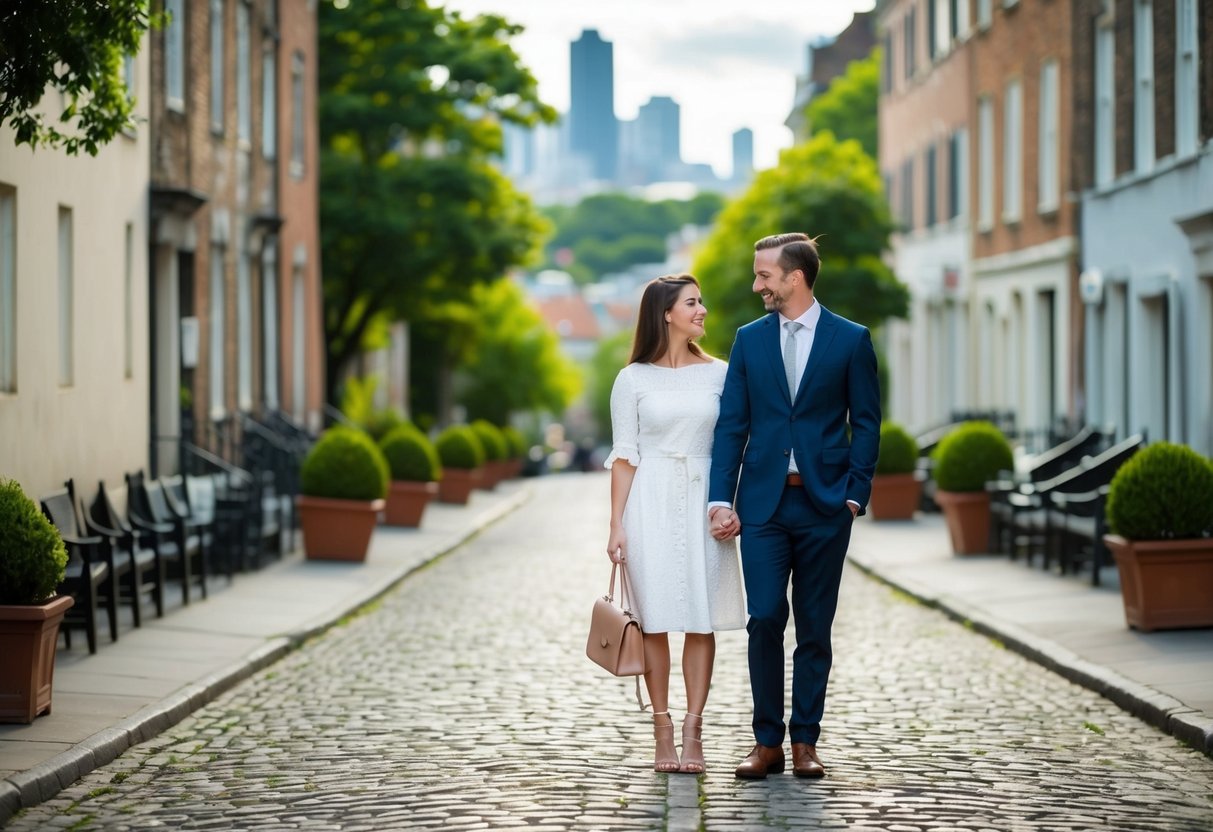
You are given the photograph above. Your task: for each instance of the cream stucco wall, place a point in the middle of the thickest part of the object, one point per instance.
(97, 428)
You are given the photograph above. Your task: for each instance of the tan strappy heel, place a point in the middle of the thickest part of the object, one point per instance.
(692, 745)
(664, 763)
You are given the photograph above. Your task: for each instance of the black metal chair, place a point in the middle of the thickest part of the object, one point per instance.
(129, 557)
(1077, 524)
(86, 575)
(182, 553)
(200, 520)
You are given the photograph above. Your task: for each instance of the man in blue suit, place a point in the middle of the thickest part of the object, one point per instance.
(782, 458)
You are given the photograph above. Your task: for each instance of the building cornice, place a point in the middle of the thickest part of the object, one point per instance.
(1052, 251)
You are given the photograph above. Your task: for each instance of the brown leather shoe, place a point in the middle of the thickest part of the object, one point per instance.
(805, 762)
(760, 762)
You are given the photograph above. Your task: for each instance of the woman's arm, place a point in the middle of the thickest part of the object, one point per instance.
(622, 474)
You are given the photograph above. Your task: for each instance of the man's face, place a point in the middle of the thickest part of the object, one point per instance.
(770, 281)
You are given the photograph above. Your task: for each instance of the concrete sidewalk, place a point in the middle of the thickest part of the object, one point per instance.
(1064, 623)
(153, 677)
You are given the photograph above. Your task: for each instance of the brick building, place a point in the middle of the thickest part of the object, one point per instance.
(827, 61)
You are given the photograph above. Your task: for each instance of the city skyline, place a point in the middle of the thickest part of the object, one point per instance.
(726, 70)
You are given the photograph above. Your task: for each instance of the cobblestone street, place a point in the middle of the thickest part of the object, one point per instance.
(463, 700)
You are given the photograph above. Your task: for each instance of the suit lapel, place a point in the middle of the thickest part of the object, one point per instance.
(770, 345)
(822, 336)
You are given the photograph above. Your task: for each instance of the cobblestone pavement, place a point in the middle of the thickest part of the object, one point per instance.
(463, 700)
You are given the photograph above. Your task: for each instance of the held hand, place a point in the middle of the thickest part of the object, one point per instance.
(724, 524)
(854, 510)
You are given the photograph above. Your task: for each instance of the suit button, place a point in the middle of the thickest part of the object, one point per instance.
(785, 451)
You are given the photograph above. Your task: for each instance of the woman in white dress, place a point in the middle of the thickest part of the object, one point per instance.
(663, 411)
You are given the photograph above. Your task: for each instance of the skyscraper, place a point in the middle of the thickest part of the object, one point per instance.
(659, 124)
(593, 128)
(743, 154)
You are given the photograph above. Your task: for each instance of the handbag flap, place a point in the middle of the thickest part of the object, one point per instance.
(608, 622)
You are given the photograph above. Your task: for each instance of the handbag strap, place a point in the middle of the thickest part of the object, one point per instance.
(624, 602)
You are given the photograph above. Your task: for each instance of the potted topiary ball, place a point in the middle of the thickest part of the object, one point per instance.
(462, 461)
(382, 422)
(343, 481)
(517, 444)
(965, 460)
(1160, 513)
(496, 451)
(896, 491)
(415, 470)
(32, 561)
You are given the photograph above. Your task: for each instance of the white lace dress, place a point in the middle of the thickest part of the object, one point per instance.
(662, 419)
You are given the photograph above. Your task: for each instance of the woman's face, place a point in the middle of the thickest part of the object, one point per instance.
(686, 315)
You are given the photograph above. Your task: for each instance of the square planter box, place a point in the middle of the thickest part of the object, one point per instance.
(28, 634)
(406, 502)
(895, 496)
(457, 483)
(1165, 584)
(968, 517)
(337, 529)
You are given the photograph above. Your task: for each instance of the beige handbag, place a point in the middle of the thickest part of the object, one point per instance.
(616, 642)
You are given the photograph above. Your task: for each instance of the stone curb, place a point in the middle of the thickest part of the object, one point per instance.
(42, 782)
(1158, 709)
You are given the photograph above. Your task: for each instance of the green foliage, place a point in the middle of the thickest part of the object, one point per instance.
(76, 49)
(970, 456)
(822, 187)
(611, 232)
(848, 107)
(412, 97)
(32, 555)
(345, 464)
(383, 421)
(358, 398)
(516, 442)
(1164, 491)
(495, 446)
(898, 450)
(510, 361)
(410, 455)
(459, 447)
(610, 357)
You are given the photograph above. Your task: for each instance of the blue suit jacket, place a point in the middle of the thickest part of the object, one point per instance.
(759, 423)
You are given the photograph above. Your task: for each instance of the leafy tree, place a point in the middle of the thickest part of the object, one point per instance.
(824, 188)
(848, 107)
(514, 363)
(605, 256)
(411, 101)
(76, 48)
(610, 357)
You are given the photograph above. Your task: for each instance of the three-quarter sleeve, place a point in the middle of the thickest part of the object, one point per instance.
(625, 420)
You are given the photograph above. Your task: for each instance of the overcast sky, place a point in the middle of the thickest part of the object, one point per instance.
(728, 63)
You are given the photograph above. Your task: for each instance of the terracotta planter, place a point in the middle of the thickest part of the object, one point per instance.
(406, 502)
(968, 516)
(895, 496)
(28, 634)
(337, 529)
(1165, 584)
(457, 483)
(490, 475)
(515, 467)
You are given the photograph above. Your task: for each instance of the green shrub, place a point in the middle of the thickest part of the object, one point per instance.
(495, 445)
(458, 447)
(32, 555)
(1164, 491)
(515, 440)
(898, 450)
(345, 465)
(970, 456)
(382, 422)
(410, 455)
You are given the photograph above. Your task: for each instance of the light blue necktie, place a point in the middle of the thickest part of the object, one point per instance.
(789, 356)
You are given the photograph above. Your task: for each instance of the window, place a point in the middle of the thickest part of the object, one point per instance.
(269, 326)
(1143, 91)
(931, 187)
(944, 22)
(886, 63)
(128, 303)
(244, 83)
(958, 14)
(985, 163)
(1105, 106)
(217, 65)
(984, 13)
(934, 42)
(244, 331)
(174, 55)
(8, 290)
(297, 116)
(128, 76)
(218, 299)
(958, 172)
(299, 343)
(66, 364)
(907, 194)
(269, 105)
(1012, 153)
(1049, 150)
(1187, 81)
(909, 37)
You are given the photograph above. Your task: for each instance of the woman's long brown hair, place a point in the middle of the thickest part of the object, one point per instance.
(652, 339)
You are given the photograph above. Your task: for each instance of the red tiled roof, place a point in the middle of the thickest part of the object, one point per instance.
(569, 316)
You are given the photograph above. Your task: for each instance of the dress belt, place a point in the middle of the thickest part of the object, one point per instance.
(794, 480)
